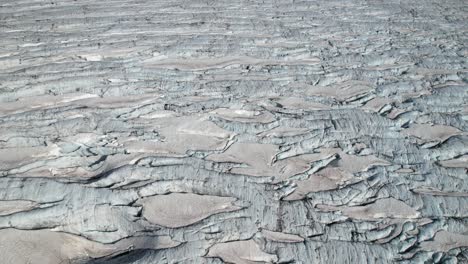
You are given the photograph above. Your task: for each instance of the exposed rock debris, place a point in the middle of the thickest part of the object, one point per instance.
(233, 131)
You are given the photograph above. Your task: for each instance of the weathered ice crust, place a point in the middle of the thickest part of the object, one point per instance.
(242, 252)
(43, 246)
(240, 132)
(182, 209)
